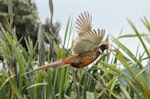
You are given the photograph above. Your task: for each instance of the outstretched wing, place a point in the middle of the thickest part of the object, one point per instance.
(83, 23)
(87, 39)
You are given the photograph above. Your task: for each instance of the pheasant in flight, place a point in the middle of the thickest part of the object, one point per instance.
(86, 47)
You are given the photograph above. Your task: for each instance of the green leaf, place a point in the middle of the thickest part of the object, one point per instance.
(90, 95)
(127, 95)
(140, 38)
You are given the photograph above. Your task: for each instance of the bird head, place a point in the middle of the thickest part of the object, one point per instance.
(103, 47)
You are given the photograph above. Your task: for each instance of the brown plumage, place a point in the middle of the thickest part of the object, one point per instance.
(86, 47)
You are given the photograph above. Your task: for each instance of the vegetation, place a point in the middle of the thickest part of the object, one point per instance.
(22, 15)
(103, 80)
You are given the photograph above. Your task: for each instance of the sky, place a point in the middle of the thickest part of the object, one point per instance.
(110, 15)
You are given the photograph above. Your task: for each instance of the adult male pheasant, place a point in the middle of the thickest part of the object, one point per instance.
(86, 48)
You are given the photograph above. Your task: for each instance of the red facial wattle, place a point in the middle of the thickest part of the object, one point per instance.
(106, 46)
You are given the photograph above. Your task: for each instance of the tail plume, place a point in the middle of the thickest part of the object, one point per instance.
(56, 64)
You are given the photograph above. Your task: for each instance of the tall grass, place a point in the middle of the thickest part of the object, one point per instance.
(103, 80)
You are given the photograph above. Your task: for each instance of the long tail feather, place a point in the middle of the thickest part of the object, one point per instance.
(56, 64)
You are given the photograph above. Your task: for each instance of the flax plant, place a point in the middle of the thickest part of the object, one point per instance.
(103, 79)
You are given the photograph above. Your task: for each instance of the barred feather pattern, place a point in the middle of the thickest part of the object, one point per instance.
(94, 36)
(87, 39)
(83, 23)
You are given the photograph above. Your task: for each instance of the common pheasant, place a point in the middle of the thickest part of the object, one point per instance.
(86, 47)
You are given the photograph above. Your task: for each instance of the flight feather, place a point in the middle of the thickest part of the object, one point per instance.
(87, 38)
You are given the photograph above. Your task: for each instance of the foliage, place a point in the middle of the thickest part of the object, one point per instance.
(22, 15)
(103, 80)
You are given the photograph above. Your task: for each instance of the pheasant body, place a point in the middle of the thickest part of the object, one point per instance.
(84, 59)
